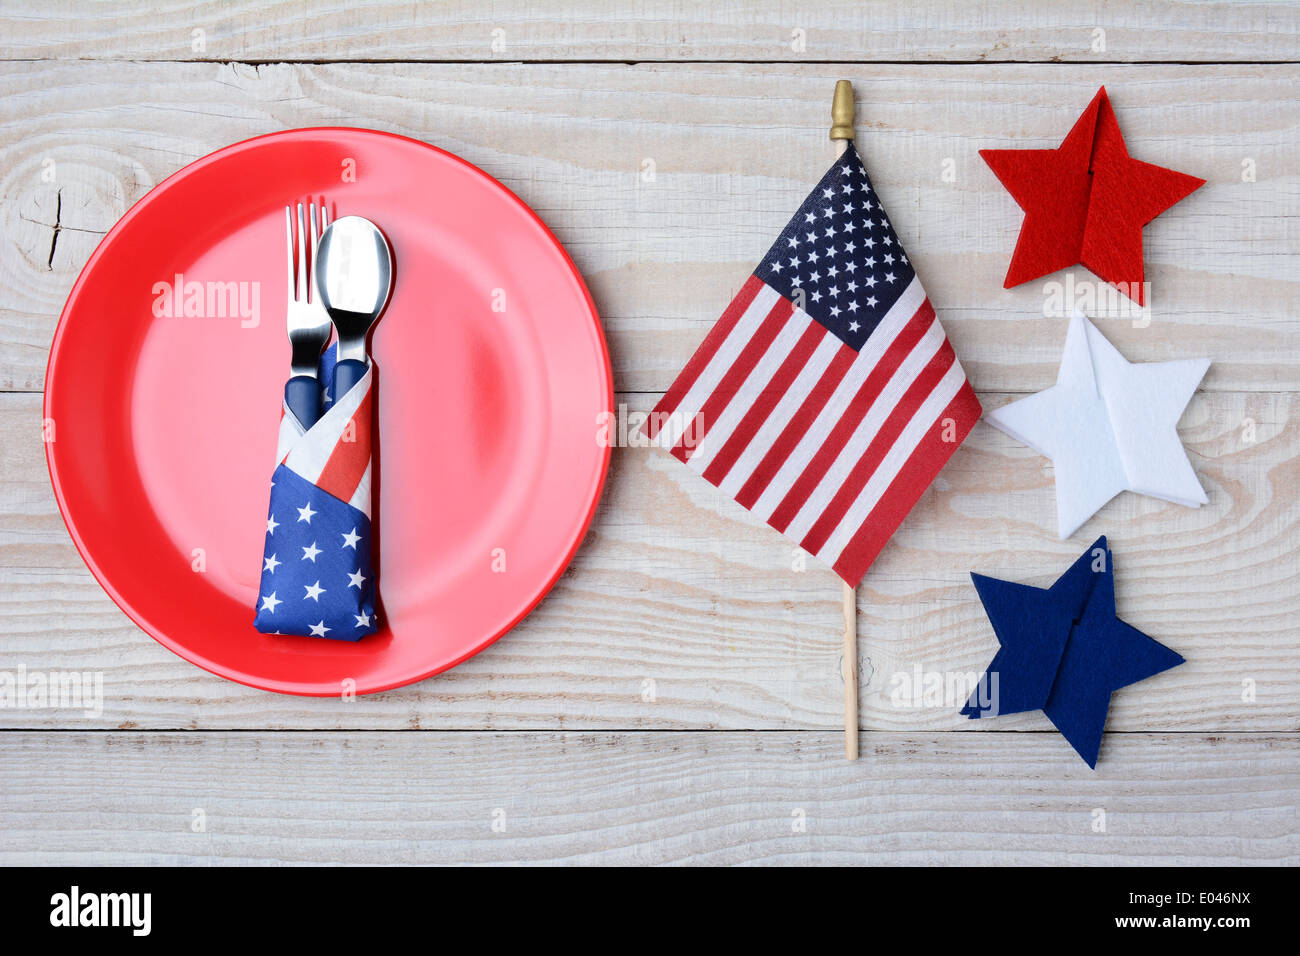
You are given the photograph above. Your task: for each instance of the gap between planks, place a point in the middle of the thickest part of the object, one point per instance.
(409, 61)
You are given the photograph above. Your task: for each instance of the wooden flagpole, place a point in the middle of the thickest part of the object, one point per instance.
(850, 671)
(842, 133)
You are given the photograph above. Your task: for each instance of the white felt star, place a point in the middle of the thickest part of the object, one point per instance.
(350, 539)
(314, 591)
(1109, 425)
(319, 630)
(269, 603)
(270, 564)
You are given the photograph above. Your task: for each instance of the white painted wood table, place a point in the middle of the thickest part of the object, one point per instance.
(677, 697)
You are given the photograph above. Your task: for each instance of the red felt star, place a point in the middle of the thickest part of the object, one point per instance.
(1086, 202)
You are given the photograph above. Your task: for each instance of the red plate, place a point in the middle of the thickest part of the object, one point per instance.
(492, 373)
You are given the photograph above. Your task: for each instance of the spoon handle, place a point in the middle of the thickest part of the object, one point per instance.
(346, 374)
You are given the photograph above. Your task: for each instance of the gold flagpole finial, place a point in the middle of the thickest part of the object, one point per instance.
(842, 111)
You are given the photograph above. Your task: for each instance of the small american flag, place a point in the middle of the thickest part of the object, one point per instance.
(318, 579)
(827, 397)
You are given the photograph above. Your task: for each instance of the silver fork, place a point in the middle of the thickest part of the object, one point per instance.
(309, 324)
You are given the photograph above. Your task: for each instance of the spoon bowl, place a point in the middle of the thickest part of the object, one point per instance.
(354, 272)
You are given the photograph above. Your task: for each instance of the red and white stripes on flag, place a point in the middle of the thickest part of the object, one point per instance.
(829, 443)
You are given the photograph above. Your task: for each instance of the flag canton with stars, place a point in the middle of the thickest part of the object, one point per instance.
(317, 579)
(838, 258)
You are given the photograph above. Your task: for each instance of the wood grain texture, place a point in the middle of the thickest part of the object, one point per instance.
(647, 798)
(734, 149)
(679, 586)
(770, 30)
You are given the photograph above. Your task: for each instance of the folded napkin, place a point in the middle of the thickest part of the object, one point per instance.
(317, 576)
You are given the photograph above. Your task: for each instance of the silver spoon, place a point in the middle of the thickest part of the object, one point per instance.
(354, 272)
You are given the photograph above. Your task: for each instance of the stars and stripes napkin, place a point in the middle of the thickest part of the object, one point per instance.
(317, 575)
(827, 397)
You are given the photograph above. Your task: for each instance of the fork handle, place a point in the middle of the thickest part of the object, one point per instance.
(302, 395)
(346, 374)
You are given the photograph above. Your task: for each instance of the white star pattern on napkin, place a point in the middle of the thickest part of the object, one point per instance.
(1109, 425)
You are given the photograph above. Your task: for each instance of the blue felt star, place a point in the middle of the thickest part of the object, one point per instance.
(1063, 650)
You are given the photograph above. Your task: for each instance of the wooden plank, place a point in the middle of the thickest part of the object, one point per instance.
(682, 588)
(691, 798)
(734, 149)
(839, 30)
